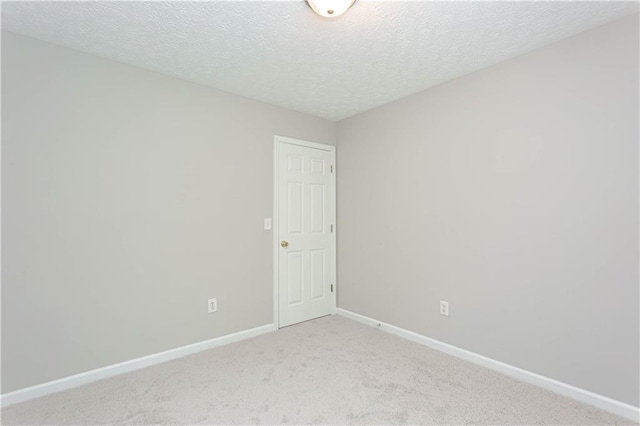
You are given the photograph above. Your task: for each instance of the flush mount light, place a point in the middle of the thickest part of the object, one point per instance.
(330, 8)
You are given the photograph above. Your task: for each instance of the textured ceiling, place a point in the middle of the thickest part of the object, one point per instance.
(283, 54)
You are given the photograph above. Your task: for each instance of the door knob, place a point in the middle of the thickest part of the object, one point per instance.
(284, 244)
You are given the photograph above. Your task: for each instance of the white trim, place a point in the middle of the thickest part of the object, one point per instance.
(127, 366)
(291, 141)
(275, 226)
(605, 403)
(334, 238)
(277, 141)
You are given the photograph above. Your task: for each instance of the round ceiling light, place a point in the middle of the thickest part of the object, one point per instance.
(330, 8)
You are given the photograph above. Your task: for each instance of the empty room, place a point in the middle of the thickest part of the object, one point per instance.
(320, 212)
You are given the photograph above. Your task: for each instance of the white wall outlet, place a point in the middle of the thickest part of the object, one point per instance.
(267, 224)
(444, 307)
(212, 305)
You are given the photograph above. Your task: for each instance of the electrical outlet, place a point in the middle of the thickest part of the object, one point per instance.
(212, 305)
(444, 308)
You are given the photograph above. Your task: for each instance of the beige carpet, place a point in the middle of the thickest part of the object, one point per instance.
(330, 370)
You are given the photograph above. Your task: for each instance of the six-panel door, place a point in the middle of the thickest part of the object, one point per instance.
(305, 244)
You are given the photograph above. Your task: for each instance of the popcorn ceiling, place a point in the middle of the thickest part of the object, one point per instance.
(283, 54)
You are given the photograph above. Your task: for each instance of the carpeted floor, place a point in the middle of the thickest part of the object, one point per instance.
(331, 371)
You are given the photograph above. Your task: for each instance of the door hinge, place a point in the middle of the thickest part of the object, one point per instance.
(332, 168)
(332, 227)
(331, 288)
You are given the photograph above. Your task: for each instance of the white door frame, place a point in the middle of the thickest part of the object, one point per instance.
(277, 141)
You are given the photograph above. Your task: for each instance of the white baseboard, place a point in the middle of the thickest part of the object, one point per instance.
(608, 404)
(127, 366)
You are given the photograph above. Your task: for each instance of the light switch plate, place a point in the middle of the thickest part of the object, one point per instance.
(267, 224)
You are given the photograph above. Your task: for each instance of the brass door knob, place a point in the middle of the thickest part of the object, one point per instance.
(284, 244)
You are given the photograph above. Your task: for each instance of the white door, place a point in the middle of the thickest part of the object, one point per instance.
(305, 243)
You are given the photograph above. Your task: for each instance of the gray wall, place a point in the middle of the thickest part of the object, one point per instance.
(512, 193)
(129, 198)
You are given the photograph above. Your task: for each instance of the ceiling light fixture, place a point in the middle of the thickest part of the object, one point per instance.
(330, 8)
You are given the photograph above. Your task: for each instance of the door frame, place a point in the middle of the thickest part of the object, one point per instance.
(277, 142)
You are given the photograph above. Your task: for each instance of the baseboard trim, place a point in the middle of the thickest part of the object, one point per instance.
(605, 403)
(127, 366)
